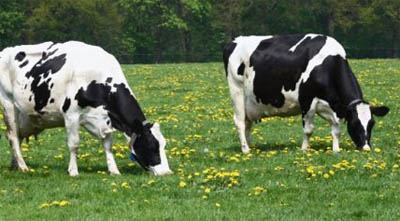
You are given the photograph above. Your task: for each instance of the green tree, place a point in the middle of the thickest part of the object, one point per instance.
(11, 23)
(96, 22)
(165, 30)
(382, 19)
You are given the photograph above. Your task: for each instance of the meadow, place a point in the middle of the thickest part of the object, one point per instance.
(212, 180)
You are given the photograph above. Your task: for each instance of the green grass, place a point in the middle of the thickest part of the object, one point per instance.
(212, 179)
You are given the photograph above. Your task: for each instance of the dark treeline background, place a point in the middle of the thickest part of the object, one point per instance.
(153, 31)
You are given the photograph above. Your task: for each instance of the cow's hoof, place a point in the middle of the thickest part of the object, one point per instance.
(115, 173)
(366, 148)
(73, 173)
(163, 173)
(23, 168)
(245, 150)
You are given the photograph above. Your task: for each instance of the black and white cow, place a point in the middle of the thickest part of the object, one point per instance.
(286, 75)
(72, 84)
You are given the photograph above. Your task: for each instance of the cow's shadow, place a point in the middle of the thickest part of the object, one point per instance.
(281, 146)
(93, 169)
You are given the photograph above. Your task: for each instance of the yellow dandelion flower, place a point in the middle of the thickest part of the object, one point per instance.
(44, 205)
(125, 185)
(182, 184)
(64, 203)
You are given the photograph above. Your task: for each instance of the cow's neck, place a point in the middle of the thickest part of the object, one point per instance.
(122, 107)
(125, 112)
(347, 85)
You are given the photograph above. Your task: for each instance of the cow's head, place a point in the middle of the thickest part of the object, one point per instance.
(360, 120)
(148, 149)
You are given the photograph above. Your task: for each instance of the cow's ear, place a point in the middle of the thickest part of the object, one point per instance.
(379, 111)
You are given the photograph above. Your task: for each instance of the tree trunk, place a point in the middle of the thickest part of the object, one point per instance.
(331, 26)
(395, 42)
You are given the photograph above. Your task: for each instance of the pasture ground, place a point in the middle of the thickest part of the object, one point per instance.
(212, 179)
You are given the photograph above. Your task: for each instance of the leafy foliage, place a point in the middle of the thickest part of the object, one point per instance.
(154, 31)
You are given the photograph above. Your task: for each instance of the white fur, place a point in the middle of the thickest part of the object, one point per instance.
(364, 115)
(163, 167)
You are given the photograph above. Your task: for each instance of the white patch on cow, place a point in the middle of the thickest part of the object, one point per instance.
(292, 49)
(331, 48)
(95, 121)
(364, 115)
(244, 49)
(163, 167)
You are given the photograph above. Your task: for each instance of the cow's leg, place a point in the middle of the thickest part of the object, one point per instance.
(248, 125)
(335, 131)
(308, 128)
(112, 166)
(240, 120)
(10, 118)
(72, 127)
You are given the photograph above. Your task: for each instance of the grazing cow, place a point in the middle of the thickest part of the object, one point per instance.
(71, 84)
(286, 75)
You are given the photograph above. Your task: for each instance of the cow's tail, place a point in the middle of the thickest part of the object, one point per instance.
(228, 50)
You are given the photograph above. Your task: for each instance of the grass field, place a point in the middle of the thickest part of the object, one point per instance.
(212, 179)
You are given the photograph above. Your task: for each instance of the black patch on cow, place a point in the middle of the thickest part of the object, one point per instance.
(48, 54)
(25, 86)
(67, 103)
(123, 109)
(108, 80)
(30, 98)
(227, 53)
(146, 148)
(20, 56)
(51, 86)
(241, 69)
(51, 100)
(51, 46)
(23, 64)
(276, 67)
(40, 71)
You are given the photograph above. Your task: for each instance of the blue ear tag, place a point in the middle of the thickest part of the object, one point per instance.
(132, 157)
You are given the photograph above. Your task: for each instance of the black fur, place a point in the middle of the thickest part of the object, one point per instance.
(227, 53)
(276, 67)
(67, 103)
(41, 70)
(20, 56)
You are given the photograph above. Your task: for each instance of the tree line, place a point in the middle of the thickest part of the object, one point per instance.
(153, 31)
